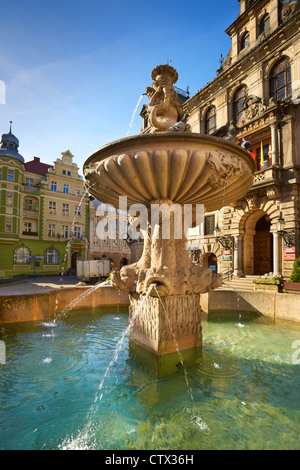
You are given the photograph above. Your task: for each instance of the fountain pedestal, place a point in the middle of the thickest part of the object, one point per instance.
(166, 325)
(167, 168)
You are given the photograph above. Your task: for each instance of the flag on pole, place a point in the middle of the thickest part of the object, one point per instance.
(262, 163)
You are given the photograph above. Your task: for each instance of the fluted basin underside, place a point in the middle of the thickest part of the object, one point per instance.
(186, 168)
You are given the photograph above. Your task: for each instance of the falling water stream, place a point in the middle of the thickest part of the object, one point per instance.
(84, 437)
(134, 113)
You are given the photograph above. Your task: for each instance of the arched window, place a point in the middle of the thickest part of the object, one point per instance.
(210, 120)
(245, 41)
(238, 102)
(264, 25)
(22, 255)
(280, 82)
(51, 256)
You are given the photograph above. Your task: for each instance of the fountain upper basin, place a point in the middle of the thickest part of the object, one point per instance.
(185, 168)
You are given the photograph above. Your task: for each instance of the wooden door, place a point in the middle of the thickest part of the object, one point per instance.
(263, 258)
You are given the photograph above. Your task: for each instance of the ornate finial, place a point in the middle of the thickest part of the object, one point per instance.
(221, 60)
(10, 122)
(165, 70)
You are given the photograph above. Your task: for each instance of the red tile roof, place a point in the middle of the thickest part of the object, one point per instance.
(37, 167)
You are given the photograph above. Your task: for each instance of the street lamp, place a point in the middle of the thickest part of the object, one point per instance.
(287, 235)
(226, 241)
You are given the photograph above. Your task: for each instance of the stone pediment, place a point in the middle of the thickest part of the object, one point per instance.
(252, 109)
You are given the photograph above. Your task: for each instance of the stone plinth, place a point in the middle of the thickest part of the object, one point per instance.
(166, 325)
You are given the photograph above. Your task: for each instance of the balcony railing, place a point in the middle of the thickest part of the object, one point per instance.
(31, 189)
(265, 176)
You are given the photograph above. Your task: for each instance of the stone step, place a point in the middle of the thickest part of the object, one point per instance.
(243, 283)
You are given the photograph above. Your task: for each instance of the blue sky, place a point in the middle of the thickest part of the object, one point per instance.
(74, 70)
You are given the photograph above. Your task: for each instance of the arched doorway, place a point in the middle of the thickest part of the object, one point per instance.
(212, 262)
(257, 245)
(74, 258)
(263, 246)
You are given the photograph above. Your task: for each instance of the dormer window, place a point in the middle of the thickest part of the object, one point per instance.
(264, 24)
(245, 41)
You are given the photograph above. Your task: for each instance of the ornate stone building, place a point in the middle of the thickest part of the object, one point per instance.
(43, 214)
(255, 96)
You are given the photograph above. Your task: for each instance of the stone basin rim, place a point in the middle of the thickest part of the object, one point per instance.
(131, 144)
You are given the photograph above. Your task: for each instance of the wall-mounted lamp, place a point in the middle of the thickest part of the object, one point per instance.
(226, 241)
(287, 235)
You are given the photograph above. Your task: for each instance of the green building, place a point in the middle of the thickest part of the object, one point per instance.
(43, 214)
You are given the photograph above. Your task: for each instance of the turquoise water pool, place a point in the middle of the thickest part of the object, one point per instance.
(243, 392)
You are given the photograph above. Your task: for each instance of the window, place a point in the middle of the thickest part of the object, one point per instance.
(210, 120)
(10, 175)
(29, 182)
(263, 158)
(69, 173)
(281, 80)
(209, 224)
(28, 227)
(22, 255)
(77, 232)
(77, 191)
(64, 172)
(0, 173)
(65, 231)
(116, 242)
(238, 102)
(54, 186)
(9, 199)
(65, 209)
(245, 41)
(264, 24)
(66, 189)
(51, 256)
(52, 207)
(8, 225)
(78, 211)
(28, 204)
(52, 230)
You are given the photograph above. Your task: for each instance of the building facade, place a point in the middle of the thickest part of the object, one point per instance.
(112, 243)
(255, 96)
(43, 214)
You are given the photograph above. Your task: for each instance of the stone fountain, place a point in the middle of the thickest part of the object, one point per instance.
(167, 168)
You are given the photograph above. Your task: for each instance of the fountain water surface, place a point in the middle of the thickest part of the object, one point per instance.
(168, 170)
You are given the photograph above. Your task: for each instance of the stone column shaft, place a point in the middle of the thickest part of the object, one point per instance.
(276, 253)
